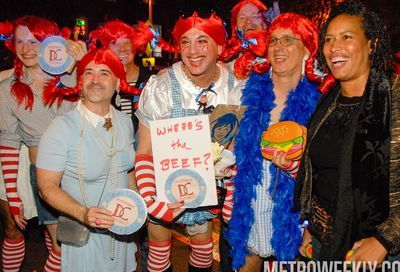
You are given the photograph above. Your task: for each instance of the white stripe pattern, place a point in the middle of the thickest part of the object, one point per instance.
(158, 258)
(151, 208)
(12, 255)
(53, 263)
(228, 202)
(292, 168)
(126, 104)
(201, 255)
(10, 172)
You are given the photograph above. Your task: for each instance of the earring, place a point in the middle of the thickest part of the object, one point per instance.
(82, 95)
(303, 65)
(118, 100)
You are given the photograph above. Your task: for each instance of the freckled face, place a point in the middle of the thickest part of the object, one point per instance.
(199, 52)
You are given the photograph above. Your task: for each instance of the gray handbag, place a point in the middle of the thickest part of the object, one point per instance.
(71, 232)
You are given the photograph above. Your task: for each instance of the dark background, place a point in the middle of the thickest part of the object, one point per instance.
(166, 12)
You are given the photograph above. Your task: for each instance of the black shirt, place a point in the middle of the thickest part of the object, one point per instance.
(325, 151)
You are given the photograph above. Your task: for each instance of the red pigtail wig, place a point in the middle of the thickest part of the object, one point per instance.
(231, 49)
(110, 32)
(99, 56)
(308, 32)
(327, 83)
(213, 26)
(94, 39)
(253, 57)
(6, 34)
(66, 32)
(144, 36)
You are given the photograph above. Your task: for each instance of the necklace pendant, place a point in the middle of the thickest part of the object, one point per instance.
(107, 123)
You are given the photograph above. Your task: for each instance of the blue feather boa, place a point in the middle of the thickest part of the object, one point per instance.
(259, 98)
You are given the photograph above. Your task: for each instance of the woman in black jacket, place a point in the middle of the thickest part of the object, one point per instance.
(343, 186)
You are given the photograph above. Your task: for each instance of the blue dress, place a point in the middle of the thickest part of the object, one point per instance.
(58, 151)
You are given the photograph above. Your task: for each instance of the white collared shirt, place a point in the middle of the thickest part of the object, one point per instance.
(90, 116)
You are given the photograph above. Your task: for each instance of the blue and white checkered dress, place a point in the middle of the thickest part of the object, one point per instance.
(261, 230)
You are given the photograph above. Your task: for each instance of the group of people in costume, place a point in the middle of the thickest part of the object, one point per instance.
(88, 133)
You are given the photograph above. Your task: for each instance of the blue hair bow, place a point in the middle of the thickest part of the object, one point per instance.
(259, 60)
(245, 43)
(156, 35)
(5, 38)
(60, 85)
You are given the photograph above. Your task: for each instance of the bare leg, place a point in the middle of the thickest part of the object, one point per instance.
(52, 231)
(158, 233)
(253, 264)
(11, 229)
(13, 249)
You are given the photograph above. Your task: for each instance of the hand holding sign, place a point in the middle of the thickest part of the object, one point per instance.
(77, 49)
(164, 211)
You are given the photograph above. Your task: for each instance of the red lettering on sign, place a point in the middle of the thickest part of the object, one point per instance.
(54, 55)
(184, 189)
(119, 212)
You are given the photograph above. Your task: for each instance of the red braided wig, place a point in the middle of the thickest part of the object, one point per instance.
(308, 32)
(248, 61)
(110, 32)
(99, 56)
(7, 30)
(144, 36)
(213, 26)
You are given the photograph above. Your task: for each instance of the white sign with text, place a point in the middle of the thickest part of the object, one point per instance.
(183, 165)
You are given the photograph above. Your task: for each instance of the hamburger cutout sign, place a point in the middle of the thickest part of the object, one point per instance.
(286, 136)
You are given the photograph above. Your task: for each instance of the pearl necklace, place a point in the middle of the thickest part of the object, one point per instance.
(202, 98)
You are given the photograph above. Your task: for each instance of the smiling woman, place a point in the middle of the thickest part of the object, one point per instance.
(346, 50)
(346, 197)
